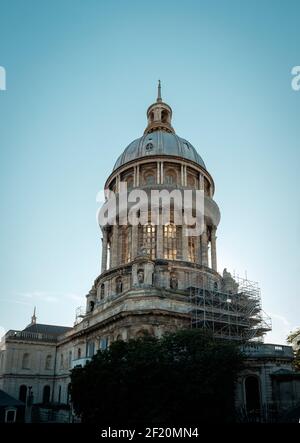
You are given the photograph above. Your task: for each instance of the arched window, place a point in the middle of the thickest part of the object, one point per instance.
(252, 394)
(10, 415)
(147, 239)
(90, 349)
(59, 394)
(48, 362)
(46, 395)
(92, 305)
(164, 116)
(129, 181)
(102, 291)
(149, 178)
(25, 361)
(191, 181)
(119, 285)
(170, 177)
(23, 393)
(103, 343)
(79, 353)
(170, 241)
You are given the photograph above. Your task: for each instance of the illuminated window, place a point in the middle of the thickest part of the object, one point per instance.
(192, 249)
(147, 239)
(170, 241)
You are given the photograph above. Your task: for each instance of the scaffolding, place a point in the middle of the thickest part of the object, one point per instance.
(235, 315)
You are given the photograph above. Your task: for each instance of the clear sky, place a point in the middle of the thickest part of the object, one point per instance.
(80, 76)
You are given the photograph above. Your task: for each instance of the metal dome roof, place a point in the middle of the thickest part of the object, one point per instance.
(159, 143)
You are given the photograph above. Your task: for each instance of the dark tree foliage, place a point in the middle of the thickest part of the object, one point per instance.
(184, 377)
(293, 338)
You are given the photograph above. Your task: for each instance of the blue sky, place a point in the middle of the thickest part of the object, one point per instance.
(80, 76)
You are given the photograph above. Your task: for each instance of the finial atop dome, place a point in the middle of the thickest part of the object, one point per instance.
(159, 92)
(159, 115)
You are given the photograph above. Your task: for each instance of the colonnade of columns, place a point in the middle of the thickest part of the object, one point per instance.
(201, 246)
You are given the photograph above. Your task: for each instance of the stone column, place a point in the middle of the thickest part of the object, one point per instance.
(162, 172)
(213, 249)
(158, 168)
(201, 182)
(114, 246)
(138, 175)
(104, 251)
(118, 183)
(204, 247)
(134, 176)
(184, 243)
(182, 175)
(185, 176)
(159, 240)
(134, 241)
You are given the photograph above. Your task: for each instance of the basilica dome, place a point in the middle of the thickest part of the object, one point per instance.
(159, 138)
(159, 142)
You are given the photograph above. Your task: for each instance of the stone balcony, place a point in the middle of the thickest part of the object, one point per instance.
(28, 336)
(262, 350)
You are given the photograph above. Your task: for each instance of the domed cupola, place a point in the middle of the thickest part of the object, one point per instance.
(159, 115)
(159, 138)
